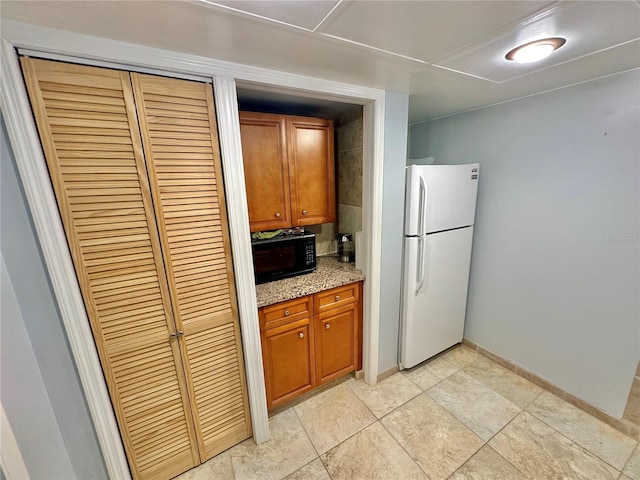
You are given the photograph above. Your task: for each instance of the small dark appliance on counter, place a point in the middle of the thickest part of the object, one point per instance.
(346, 247)
(283, 256)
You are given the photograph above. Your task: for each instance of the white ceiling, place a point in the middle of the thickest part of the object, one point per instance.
(448, 55)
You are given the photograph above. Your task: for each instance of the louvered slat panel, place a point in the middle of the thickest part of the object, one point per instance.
(88, 126)
(188, 194)
(211, 379)
(100, 263)
(198, 257)
(185, 249)
(159, 373)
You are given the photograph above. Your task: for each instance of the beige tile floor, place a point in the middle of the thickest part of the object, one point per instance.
(459, 416)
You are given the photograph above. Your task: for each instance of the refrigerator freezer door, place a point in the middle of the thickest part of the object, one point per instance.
(433, 313)
(440, 197)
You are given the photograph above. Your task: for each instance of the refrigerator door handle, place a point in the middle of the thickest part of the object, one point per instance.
(421, 264)
(423, 206)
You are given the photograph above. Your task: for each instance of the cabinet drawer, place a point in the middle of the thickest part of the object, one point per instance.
(286, 312)
(337, 297)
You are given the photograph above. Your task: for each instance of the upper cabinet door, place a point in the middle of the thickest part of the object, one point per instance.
(266, 170)
(311, 167)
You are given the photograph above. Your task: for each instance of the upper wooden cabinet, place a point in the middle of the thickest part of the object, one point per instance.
(289, 170)
(266, 170)
(311, 170)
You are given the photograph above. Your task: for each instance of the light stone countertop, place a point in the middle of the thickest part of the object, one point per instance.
(329, 274)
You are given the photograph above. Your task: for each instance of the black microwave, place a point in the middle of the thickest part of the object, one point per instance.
(283, 257)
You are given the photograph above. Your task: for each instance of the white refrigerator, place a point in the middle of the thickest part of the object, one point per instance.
(438, 231)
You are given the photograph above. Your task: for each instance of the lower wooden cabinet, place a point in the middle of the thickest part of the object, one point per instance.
(289, 361)
(310, 340)
(336, 343)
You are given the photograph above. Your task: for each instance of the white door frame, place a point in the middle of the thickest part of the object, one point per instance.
(43, 207)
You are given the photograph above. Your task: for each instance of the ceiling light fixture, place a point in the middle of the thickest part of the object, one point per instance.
(535, 51)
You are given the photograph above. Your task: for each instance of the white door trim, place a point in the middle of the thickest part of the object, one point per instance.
(233, 172)
(373, 155)
(34, 176)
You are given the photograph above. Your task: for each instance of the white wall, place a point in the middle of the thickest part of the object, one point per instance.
(24, 396)
(41, 393)
(555, 273)
(395, 158)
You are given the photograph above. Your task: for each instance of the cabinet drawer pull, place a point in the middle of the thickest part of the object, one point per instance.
(277, 214)
(327, 326)
(337, 297)
(304, 212)
(301, 335)
(286, 313)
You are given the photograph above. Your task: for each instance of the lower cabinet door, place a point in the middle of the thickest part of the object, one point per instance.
(336, 342)
(288, 355)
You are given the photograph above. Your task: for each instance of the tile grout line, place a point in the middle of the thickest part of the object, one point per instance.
(525, 409)
(379, 420)
(440, 380)
(489, 386)
(579, 445)
(497, 453)
(617, 423)
(522, 410)
(402, 446)
(308, 437)
(233, 470)
(346, 150)
(448, 412)
(308, 463)
(485, 443)
(375, 419)
(425, 364)
(628, 460)
(425, 392)
(461, 370)
(397, 406)
(532, 401)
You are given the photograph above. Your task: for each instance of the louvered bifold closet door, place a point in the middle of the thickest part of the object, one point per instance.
(179, 134)
(89, 130)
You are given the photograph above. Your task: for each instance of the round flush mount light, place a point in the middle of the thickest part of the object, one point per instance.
(535, 51)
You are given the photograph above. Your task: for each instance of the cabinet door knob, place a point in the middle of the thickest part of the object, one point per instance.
(180, 333)
(337, 297)
(301, 335)
(286, 313)
(327, 326)
(172, 336)
(304, 212)
(277, 214)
